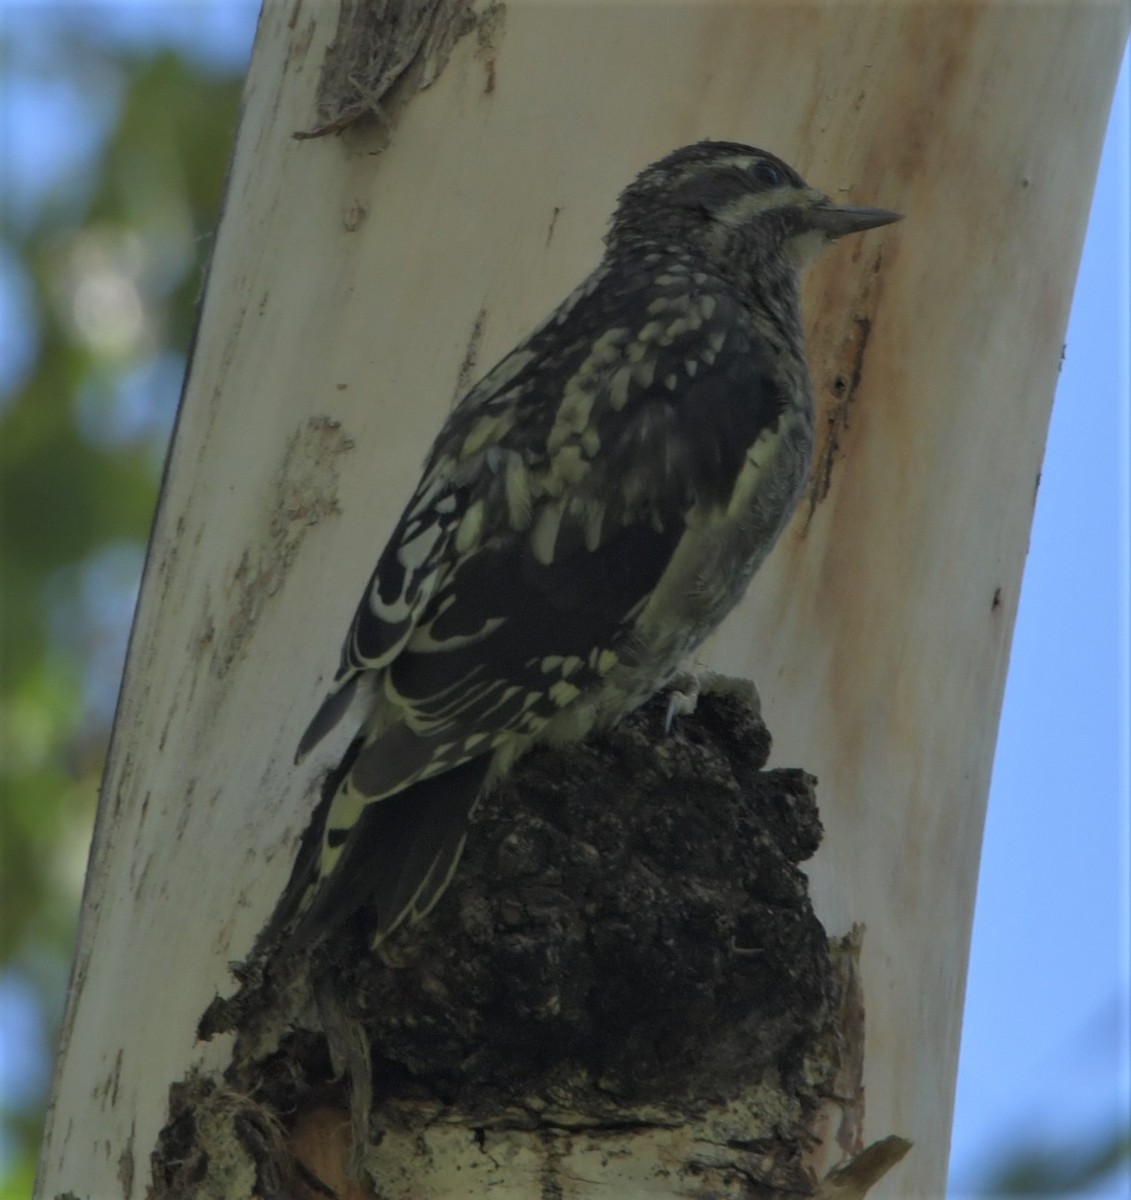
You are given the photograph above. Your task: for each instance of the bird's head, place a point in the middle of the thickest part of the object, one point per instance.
(739, 206)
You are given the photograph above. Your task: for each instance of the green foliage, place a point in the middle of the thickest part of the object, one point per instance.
(111, 259)
(1063, 1170)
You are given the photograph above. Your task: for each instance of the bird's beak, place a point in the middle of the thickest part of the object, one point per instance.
(835, 220)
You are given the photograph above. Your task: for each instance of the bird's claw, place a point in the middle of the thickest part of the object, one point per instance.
(682, 698)
(687, 687)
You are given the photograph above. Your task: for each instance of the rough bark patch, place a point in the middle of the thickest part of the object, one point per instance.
(628, 949)
(384, 51)
(629, 928)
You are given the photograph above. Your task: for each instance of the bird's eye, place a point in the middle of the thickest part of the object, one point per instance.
(766, 173)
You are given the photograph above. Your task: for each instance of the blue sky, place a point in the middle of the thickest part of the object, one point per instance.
(1045, 1051)
(1045, 1048)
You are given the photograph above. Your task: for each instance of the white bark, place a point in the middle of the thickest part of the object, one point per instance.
(344, 291)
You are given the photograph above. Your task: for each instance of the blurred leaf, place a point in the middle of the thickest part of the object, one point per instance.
(1062, 1171)
(17, 1184)
(108, 260)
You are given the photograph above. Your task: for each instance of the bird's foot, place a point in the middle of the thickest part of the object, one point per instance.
(683, 696)
(391, 952)
(688, 686)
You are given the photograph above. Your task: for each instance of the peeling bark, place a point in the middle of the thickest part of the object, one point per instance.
(385, 50)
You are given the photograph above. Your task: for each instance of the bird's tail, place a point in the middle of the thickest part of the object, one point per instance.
(399, 857)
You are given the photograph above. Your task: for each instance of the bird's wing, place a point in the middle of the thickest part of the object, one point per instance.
(397, 593)
(550, 509)
(417, 554)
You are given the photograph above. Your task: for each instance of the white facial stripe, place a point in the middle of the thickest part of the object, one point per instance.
(805, 247)
(741, 210)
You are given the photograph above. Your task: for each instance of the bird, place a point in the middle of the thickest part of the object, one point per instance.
(590, 511)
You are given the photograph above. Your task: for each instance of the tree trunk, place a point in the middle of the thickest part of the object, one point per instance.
(361, 280)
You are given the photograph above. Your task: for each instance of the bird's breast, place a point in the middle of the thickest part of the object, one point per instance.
(724, 544)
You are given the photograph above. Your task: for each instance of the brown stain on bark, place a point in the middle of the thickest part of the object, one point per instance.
(321, 1142)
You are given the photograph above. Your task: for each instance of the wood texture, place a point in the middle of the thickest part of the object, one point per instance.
(353, 291)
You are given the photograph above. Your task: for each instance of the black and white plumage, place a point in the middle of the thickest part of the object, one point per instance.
(590, 511)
